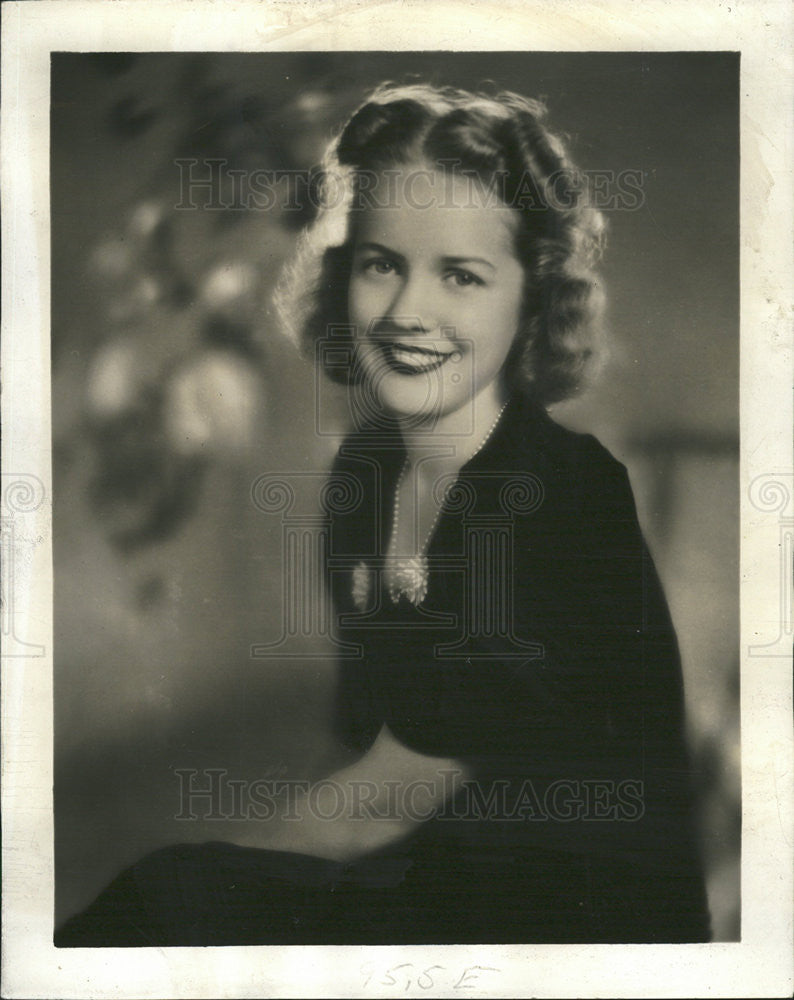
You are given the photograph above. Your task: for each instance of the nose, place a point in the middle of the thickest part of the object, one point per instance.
(411, 310)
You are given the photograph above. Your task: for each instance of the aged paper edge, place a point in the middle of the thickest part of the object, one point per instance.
(761, 965)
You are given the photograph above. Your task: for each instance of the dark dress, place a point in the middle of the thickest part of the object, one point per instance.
(543, 658)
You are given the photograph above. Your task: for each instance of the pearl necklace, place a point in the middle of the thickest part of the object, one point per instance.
(409, 575)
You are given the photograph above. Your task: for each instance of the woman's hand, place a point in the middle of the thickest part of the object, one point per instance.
(379, 800)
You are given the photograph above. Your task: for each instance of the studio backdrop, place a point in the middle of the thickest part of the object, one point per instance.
(179, 185)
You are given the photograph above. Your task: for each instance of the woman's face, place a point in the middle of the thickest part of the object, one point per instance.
(435, 293)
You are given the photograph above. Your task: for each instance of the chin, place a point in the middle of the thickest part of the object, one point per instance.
(419, 396)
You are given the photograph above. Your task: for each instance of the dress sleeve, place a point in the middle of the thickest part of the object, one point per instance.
(611, 688)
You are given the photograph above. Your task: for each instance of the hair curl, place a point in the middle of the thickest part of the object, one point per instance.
(501, 140)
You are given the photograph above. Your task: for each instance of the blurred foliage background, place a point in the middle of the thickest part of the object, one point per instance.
(173, 390)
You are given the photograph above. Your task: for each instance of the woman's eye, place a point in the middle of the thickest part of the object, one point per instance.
(463, 279)
(379, 266)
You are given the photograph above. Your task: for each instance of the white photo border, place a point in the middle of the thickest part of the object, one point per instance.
(759, 965)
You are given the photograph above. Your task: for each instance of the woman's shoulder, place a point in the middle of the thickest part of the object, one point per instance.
(530, 442)
(569, 462)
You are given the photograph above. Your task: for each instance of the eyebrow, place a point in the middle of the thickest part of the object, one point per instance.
(378, 248)
(469, 260)
(449, 260)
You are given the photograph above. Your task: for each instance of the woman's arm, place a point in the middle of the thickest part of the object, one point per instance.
(379, 800)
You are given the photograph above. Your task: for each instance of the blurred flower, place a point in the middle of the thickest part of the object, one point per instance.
(134, 301)
(145, 219)
(213, 403)
(306, 125)
(113, 383)
(137, 269)
(128, 290)
(314, 105)
(231, 291)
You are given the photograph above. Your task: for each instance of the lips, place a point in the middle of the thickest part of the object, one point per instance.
(411, 359)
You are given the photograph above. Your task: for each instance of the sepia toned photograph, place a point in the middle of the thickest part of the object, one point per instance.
(397, 499)
(395, 526)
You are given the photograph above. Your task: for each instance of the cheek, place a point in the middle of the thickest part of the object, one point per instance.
(497, 330)
(361, 303)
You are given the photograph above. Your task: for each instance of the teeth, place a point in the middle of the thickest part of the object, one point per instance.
(417, 358)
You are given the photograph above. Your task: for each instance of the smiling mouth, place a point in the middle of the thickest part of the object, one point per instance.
(410, 359)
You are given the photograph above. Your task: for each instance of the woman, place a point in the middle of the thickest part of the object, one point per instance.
(510, 684)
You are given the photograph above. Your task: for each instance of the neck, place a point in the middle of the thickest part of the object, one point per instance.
(450, 440)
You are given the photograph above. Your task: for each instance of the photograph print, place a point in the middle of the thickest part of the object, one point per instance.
(395, 497)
